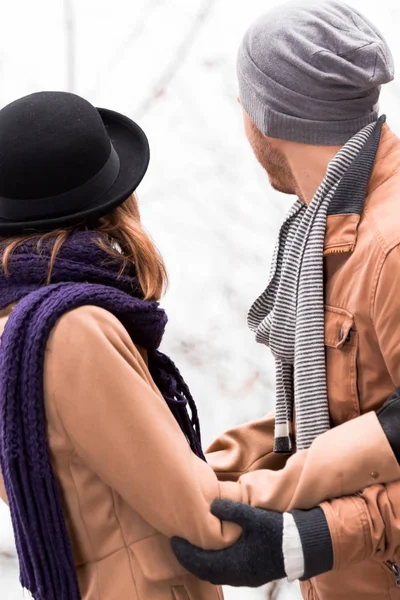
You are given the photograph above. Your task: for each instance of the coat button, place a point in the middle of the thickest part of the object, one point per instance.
(374, 475)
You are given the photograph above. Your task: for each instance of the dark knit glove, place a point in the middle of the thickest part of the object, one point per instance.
(389, 418)
(256, 557)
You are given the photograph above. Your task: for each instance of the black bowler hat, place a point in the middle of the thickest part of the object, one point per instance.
(64, 162)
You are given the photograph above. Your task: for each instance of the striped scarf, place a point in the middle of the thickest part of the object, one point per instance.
(289, 316)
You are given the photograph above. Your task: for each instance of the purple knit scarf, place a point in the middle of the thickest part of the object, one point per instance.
(83, 274)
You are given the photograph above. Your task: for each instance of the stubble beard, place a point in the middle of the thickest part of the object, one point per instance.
(274, 162)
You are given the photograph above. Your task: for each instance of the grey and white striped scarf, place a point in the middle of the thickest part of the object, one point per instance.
(289, 316)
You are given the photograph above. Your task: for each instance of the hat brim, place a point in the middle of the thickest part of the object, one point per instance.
(132, 147)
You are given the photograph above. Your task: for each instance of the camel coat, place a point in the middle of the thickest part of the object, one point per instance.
(127, 476)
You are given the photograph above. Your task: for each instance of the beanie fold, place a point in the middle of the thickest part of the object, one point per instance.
(275, 124)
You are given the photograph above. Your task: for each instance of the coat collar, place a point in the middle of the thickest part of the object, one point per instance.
(341, 230)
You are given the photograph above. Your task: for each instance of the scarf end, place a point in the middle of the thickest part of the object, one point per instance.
(284, 441)
(283, 445)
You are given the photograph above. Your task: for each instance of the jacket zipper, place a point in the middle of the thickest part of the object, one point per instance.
(395, 570)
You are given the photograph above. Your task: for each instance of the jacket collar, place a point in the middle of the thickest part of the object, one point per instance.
(342, 225)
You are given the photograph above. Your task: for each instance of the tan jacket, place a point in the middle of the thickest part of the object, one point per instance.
(127, 476)
(362, 337)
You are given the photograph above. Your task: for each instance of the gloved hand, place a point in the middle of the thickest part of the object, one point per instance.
(389, 418)
(257, 557)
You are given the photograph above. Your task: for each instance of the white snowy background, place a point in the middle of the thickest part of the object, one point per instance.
(170, 64)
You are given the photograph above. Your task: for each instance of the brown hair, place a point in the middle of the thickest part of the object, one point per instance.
(123, 238)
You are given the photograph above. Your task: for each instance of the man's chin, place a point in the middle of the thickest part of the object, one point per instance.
(279, 186)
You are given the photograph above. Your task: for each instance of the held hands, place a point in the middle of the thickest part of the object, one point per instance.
(257, 557)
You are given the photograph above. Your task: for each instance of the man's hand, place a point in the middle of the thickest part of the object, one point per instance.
(257, 557)
(253, 560)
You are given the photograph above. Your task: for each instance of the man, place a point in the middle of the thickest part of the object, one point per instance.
(310, 77)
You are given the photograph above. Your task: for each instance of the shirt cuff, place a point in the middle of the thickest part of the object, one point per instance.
(293, 556)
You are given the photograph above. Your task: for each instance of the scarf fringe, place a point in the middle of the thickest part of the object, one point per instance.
(46, 578)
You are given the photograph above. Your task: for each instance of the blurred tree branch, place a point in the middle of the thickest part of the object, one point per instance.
(182, 51)
(69, 22)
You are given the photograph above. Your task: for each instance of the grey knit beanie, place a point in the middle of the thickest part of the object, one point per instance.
(311, 72)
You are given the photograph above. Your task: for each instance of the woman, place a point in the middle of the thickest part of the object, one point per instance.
(101, 462)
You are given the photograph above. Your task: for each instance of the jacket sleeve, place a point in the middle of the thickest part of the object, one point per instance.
(121, 427)
(245, 448)
(340, 462)
(365, 526)
(269, 480)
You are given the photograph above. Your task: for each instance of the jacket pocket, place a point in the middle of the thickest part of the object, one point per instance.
(341, 345)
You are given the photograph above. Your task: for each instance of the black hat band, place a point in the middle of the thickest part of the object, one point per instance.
(66, 203)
